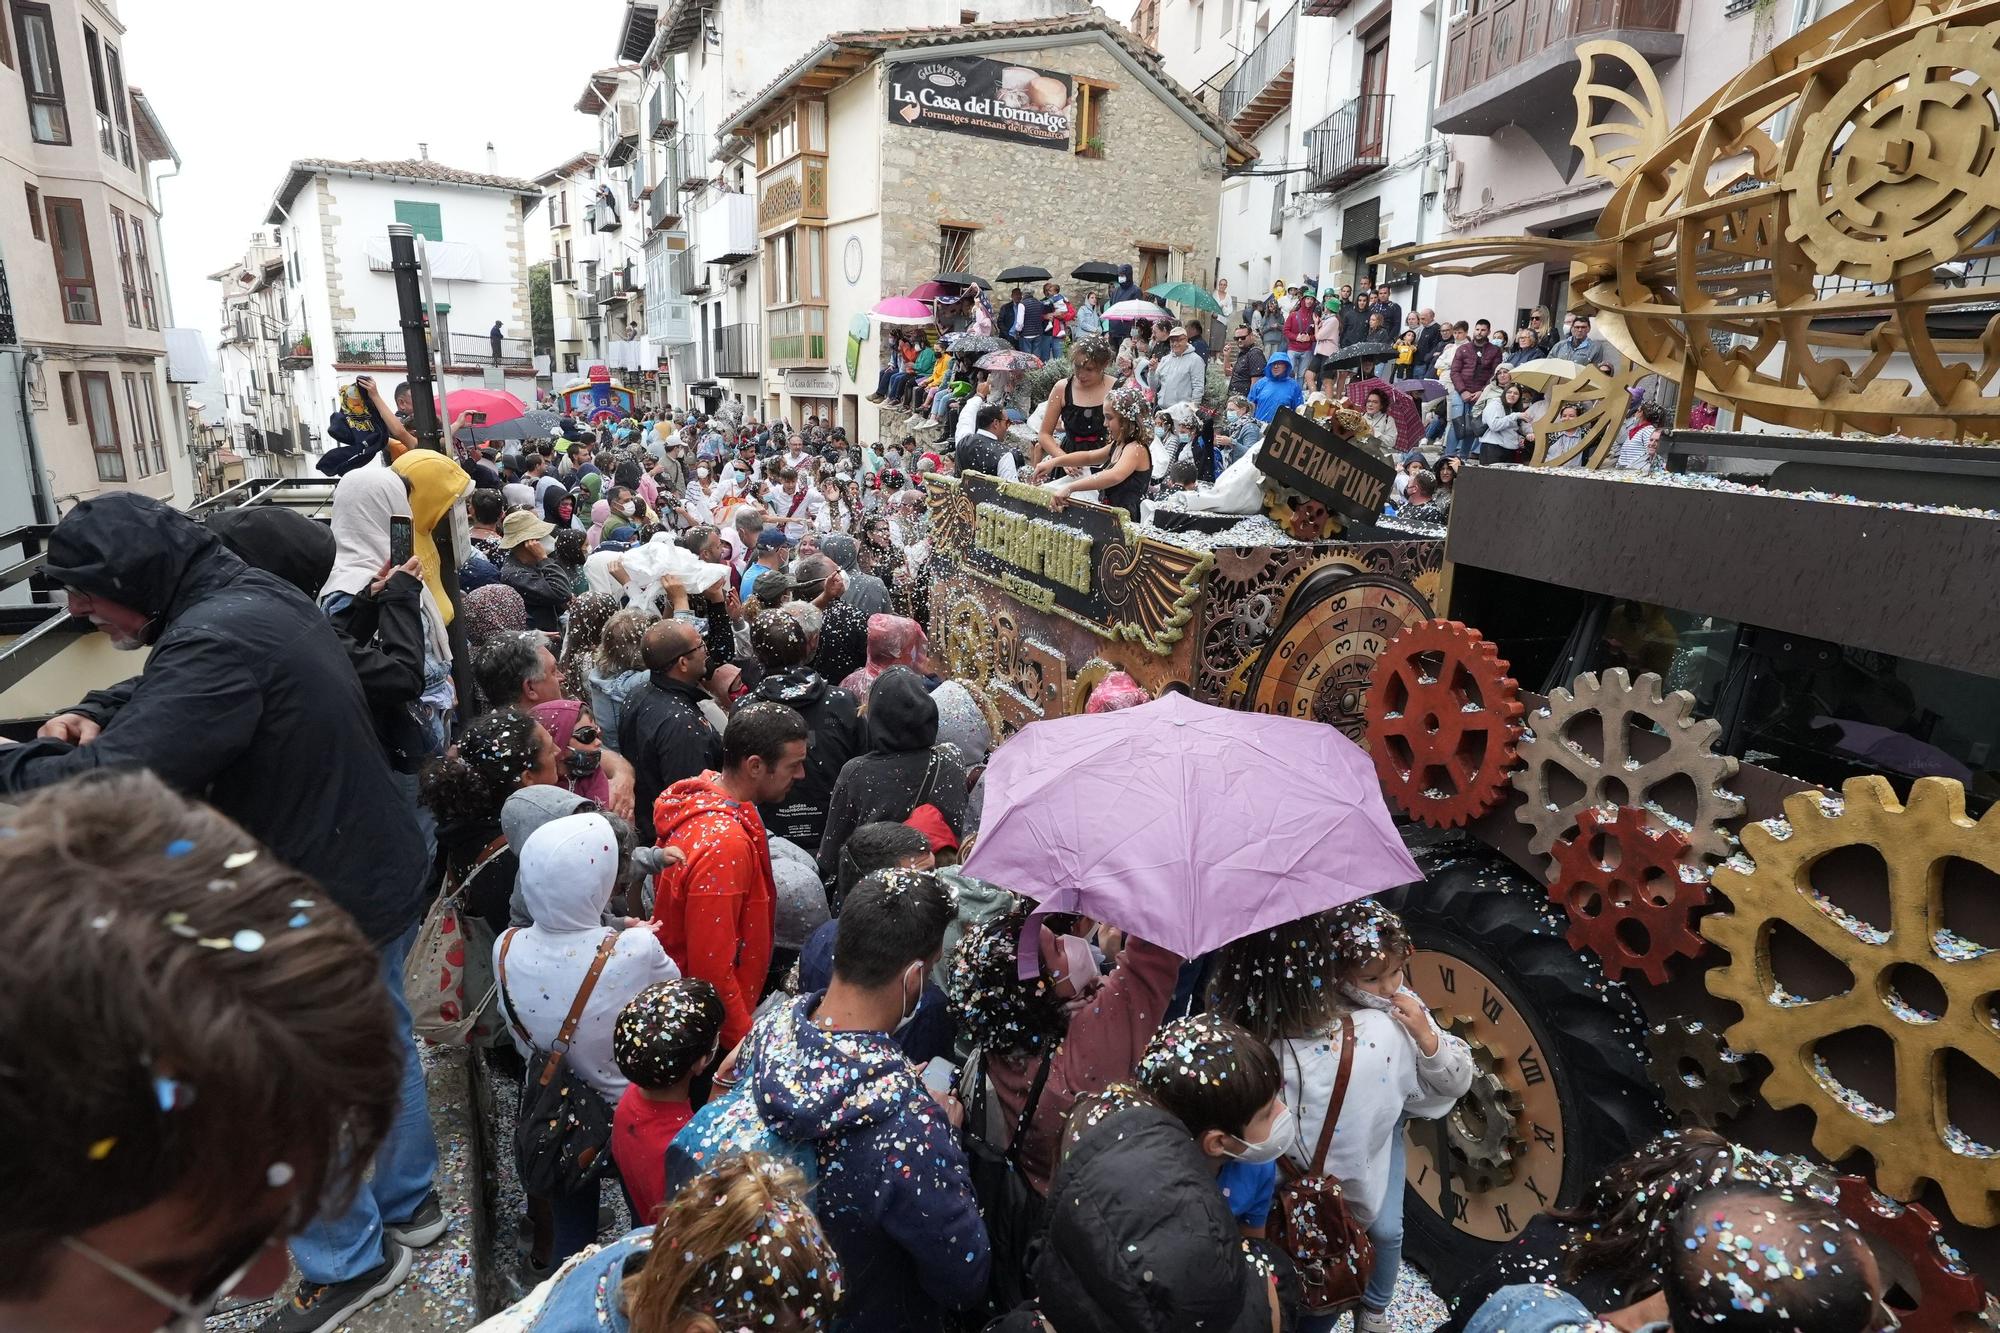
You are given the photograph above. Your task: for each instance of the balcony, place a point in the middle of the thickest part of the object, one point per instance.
(367, 349)
(475, 349)
(737, 351)
(1351, 143)
(688, 163)
(662, 113)
(1323, 9)
(663, 206)
(622, 139)
(687, 274)
(1262, 84)
(797, 337)
(8, 336)
(559, 273)
(295, 350)
(727, 231)
(1514, 61)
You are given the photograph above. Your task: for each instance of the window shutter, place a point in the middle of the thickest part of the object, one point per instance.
(425, 219)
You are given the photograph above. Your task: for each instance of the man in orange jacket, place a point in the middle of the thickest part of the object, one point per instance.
(716, 900)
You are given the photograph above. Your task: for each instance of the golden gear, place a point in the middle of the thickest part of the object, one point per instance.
(970, 641)
(1916, 1141)
(1618, 776)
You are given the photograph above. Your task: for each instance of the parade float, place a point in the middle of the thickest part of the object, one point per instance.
(599, 398)
(1699, 763)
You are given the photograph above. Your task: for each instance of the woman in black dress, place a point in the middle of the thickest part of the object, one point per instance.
(1124, 465)
(1076, 404)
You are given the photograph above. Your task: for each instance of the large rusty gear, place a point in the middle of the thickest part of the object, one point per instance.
(1443, 717)
(1483, 1129)
(1950, 1298)
(1915, 1140)
(1617, 776)
(1701, 1080)
(1633, 904)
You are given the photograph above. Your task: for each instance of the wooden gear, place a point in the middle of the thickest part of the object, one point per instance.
(1916, 1141)
(1442, 716)
(1633, 904)
(1702, 1081)
(1949, 1297)
(1800, 244)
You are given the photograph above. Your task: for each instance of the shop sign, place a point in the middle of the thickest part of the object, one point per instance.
(991, 99)
(812, 383)
(1346, 478)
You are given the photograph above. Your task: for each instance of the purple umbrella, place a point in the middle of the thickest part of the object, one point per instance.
(1187, 825)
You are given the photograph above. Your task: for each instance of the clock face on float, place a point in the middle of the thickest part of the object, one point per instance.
(1324, 655)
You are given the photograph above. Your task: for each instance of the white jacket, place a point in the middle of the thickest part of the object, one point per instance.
(1391, 1079)
(1503, 428)
(568, 867)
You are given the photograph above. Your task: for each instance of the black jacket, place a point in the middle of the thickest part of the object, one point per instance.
(247, 701)
(544, 587)
(904, 768)
(664, 736)
(843, 641)
(834, 716)
(383, 636)
(1247, 368)
(1353, 323)
(1430, 341)
(1139, 1238)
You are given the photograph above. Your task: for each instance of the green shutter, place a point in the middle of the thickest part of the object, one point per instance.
(423, 218)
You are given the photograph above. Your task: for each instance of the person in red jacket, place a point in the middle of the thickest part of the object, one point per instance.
(716, 900)
(1301, 328)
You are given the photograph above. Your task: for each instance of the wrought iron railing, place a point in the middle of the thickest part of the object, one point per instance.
(738, 350)
(1271, 58)
(8, 335)
(473, 349)
(371, 349)
(1350, 143)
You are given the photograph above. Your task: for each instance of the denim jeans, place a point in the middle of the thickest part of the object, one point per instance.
(1387, 1233)
(1454, 446)
(335, 1249)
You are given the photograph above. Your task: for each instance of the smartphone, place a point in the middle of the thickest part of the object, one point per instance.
(402, 538)
(476, 418)
(940, 1076)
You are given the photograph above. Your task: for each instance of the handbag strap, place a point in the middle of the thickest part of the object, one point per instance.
(486, 855)
(1339, 1097)
(930, 780)
(1028, 1110)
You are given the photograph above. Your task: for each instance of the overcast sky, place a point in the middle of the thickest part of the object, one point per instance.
(252, 86)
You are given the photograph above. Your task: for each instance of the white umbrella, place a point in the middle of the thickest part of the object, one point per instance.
(1136, 310)
(1536, 374)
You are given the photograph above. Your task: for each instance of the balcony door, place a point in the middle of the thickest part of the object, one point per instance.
(1372, 118)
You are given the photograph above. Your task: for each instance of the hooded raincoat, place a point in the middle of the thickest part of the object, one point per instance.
(247, 701)
(834, 719)
(1276, 390)
(892, 641)
(568, 868)
(716, 912)
(903, 769)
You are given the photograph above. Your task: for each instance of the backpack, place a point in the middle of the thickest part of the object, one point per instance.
(1310, 1220)
(448, 976)
(730, 1124)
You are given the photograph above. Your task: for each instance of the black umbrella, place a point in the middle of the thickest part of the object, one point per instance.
(1024, 273)
(1359, 352)
(969, 345)
(1095, 271)
(538, 425)
(961, 280)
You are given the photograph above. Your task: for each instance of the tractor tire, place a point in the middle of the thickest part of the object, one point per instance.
(1562, 1054)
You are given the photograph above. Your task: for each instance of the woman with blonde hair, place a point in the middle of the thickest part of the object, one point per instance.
(737, 1249)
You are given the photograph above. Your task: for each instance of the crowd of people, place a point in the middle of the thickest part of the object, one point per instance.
(679, 858)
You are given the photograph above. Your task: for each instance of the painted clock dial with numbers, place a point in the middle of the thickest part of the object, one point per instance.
(1507, 1131)
(1325, 649)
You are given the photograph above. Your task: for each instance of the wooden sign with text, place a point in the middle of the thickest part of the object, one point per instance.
(1346, 478)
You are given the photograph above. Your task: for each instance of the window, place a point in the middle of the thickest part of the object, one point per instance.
(955, 249)
(138, 430)
(425, 219)
(94, 57)
(68, 378)
(74, 273)
(41, 72)
(35, 211)
(1152, 267)
(100, 409)
(1090, 98)
(140, 406)
(125, 268)
(121, 103)
(143, 261)
(1196, 13)
(6, 51)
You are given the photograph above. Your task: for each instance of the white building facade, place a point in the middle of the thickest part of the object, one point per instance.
(331, 222)
(263, 339)
(554, 230)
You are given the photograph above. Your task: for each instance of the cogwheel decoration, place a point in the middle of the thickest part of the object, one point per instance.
(1632, 903)
(1443, 717)
(1483, 1129)
(1915, 1140)
(1702, 1081)
(1949, 1296)
(1617, 776)
(970, 640)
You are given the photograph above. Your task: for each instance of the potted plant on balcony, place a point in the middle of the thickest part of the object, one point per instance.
(303, 348)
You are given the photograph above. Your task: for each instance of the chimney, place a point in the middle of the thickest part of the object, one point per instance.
(492, 160)
(424, 151)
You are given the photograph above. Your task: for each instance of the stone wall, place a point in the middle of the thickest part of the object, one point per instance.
(1158, 184)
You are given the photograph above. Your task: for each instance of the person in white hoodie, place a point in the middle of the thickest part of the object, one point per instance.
(1294, 986)
(568, 869)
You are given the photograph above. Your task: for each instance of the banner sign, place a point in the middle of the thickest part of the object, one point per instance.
(1346, 478)
(988, 98)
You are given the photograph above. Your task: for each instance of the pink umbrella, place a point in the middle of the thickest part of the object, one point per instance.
(1136, 310)
(931, 290)
(901, 310)
(1188, 825)
(1403, 410)
(497, 404)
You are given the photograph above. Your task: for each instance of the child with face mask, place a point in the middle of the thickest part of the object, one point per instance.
(1294, 986)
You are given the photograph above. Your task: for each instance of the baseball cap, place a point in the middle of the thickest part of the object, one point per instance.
(772, 539)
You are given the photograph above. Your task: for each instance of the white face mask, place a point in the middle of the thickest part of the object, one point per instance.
(1366, 999)
(1273, 1145)
(901, 988)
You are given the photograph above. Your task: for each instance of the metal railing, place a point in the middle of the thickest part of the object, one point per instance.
(476, 349)
(663, 206)
(687, 274)
(663, 112)
(371, 349)
(1350, 143)
(1272, 57)
(8, 336)
(687, 165)
(737, 350)
(1494, 36)
(295, 349)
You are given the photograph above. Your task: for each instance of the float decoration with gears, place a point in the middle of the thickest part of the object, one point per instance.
(1702, 1081)
(1949, 1297)
(1443, 717)
(1629, 892)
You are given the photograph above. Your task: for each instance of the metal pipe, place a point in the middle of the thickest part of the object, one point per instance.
(416, 348)
(38, 479)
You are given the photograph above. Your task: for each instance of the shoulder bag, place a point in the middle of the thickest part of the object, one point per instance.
(1311, 1221)
(562, 1137)
(446, 981)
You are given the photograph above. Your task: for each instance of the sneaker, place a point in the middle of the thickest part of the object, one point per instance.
(1371, 1321)
(422, 1227)
(314, 1307)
